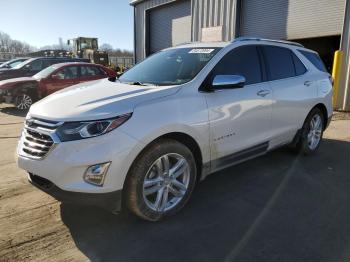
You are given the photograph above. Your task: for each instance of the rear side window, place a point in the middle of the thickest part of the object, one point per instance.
(90, 71)
(241, 61)
(315, 59)
(279, 62)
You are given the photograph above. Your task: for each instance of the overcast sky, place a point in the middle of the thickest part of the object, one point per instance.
(42, 22)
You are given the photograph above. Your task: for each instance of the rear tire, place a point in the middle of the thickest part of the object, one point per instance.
(161, 180)
(311, 133)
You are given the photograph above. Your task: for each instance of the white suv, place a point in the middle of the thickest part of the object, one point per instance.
(145, 139)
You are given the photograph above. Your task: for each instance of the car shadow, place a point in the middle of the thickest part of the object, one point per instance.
(278, 207)
(11, 110)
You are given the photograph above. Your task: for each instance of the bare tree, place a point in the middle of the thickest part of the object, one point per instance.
(13, 46)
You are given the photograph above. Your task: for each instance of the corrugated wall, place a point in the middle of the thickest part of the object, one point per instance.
(290, 19)
(205, 13)
(211, 13)
(140, 10)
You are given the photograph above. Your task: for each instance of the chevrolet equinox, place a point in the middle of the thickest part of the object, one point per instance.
(143, 141)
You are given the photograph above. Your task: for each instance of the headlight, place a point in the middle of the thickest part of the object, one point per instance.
(79, 130)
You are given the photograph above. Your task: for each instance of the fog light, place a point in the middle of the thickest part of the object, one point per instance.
(96, 174)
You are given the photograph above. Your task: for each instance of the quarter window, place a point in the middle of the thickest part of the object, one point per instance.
(279, 62)
(242, 61)
(315, 59)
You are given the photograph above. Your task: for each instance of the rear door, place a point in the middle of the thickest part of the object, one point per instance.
(62, 78)
(90, 72)
(293, 92)
(240, 118)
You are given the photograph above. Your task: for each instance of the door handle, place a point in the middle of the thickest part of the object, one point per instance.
(307, 83)
(263, 92)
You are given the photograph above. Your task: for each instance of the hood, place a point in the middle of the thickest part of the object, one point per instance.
(96, 100)
(8, 83)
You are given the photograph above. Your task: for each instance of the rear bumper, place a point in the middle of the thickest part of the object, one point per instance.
(111, 201)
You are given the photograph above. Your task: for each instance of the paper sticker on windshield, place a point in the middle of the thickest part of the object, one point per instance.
(201, 51)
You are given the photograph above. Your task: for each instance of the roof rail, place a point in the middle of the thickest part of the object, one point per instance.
(244, 38)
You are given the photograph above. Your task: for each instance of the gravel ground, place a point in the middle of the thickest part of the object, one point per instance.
(278, 207)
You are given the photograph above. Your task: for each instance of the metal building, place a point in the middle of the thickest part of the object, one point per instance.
(317, 24)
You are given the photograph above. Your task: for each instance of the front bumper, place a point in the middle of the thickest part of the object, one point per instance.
(111, 201)
(66, 162)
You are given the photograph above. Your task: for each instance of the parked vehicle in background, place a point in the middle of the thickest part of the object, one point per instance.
(34, 65)
(12, 63)
(24, 91)
(179, 115)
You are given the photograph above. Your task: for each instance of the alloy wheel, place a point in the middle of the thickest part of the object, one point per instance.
(166, 182)
(23, 102)
(315, 132)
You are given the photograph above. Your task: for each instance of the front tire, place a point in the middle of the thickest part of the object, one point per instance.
(24, 101)
(311, 133)
(161, 180)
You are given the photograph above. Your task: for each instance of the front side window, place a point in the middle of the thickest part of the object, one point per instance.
(69, 72)
(279, 62)
(36, 65)
(170, 67)
(242, 61)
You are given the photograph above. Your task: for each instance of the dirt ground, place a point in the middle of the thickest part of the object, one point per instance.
(279, 207)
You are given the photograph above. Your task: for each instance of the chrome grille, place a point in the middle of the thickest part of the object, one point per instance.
(38, 138)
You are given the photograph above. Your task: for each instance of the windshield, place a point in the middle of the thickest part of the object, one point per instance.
(45, 72)
(12, 63)
(170, 67)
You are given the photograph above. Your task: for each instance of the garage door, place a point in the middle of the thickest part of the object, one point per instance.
(169, 25)
(285, 19)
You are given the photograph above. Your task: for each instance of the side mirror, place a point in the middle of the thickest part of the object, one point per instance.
(228, 81)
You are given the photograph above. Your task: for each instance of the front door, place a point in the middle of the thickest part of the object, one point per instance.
(240, 118)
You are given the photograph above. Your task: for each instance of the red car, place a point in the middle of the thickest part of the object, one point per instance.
(23, 91)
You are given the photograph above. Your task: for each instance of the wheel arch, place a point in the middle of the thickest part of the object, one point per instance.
(324, 111)
(182, 138)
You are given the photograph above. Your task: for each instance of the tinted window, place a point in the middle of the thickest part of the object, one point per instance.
(46, 63)
(70, 72)
(299, 66)
(241, 61)
(314, 59)
(36, 65)
(90, 71)
(279, 62)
